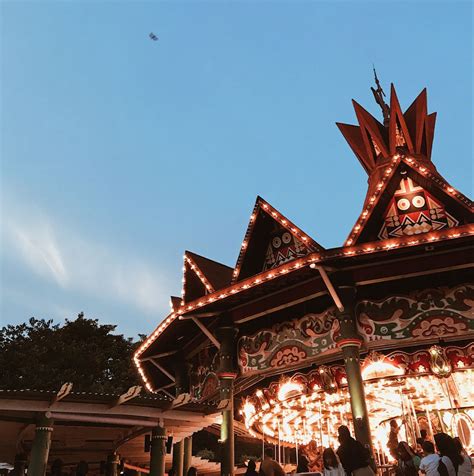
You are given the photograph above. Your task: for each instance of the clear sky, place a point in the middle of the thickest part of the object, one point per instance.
(118, 152)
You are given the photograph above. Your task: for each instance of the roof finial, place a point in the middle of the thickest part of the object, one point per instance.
(379, 99)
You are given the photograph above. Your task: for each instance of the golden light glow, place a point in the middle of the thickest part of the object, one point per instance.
(298, 418)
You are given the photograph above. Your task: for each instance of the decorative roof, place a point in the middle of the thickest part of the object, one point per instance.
(270, 241)
(402, 178)
(374, 144)
(202, 276)
(389, 154)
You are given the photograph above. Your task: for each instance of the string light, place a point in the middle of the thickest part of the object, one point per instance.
(275, 214)
(242, 286)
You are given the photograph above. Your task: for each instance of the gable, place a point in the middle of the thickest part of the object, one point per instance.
(411, 200)
(202, 276)
(412, 211)
(270, 241)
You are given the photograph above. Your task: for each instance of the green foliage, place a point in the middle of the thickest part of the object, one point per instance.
(206, 454)
(41, 355)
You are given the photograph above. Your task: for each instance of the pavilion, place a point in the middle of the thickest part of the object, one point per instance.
(296, 339)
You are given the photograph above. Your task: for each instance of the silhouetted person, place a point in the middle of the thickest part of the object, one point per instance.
(355, 459)
(392, 442)
(331, 465)
(408, 462)
(251, 468)
(192, 471)
(449, 451)
(269, 466)
(303, 463)
(465, 468)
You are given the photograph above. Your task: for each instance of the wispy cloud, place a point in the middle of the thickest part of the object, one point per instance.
(36, 241)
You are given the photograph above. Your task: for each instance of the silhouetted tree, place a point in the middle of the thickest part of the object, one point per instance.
(42, 355)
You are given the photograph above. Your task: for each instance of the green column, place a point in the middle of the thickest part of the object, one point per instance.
(187, 454)
(158, 451)
(227, 373)
(40, 449)
(350, 342)
(113, 462)
(178, 455)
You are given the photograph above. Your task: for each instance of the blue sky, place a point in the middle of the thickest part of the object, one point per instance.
(118, 153)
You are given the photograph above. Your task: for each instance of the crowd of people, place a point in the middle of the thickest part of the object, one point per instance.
(443, 457)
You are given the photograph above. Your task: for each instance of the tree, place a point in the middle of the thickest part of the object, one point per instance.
(41, 355)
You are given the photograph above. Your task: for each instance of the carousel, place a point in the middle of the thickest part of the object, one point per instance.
(296, 339)
(421, 391)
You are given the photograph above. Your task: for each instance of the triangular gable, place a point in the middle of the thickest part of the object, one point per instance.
(270, 240)
(410, 199)
(202, 276)
(175, 303)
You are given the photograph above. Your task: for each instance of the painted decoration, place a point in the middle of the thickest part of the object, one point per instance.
(203, 375)
(413, 210)
(289, 343)
(283, 247)
(422, 315)
(427, 314)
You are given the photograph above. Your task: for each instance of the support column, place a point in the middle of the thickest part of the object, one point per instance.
(40, 449)
(227, 374)
(350, 343)
(188, 454)
(158, 451)
(178, 456)
(112, 465)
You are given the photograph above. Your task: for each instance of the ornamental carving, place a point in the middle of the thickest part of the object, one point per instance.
(203, 376)
(289, 343)
(423, 315)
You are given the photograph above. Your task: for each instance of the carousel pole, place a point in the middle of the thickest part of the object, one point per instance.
(350, 342)
(227, 373)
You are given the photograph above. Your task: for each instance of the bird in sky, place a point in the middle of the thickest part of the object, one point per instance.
(153, 36)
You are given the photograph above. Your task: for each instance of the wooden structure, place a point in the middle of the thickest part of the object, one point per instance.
(400, 286)
(40, 427)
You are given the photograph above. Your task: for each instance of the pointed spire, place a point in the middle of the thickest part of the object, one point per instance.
(379, 95)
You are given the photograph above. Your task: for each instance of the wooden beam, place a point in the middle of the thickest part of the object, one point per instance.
(329, 285)
(162, 369)
(206, 331)
(159, 356)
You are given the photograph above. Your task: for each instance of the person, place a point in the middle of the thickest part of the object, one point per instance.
(269, 466)
(408, 462)
(392, 442)
(192, 471)
(423, 437)
(432, 464)
(355, 459)
(251, 468)
(331, 465)
(303, 462)
(430, 461)
(465, 468)
(449, 452)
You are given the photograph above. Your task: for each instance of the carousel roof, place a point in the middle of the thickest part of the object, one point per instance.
(410, 210)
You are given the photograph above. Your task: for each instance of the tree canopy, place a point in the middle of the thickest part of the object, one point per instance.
(42, 355)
